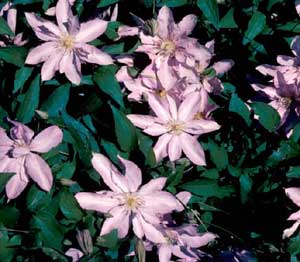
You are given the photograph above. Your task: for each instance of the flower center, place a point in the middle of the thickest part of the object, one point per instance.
(168, 47)
(176, 127)
(67, 42)
(132, 202)
(161, 92)
(285, 101)
(199, 116)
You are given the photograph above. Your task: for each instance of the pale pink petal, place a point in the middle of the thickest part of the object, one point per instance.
(99, 202)
(92, 54)
(187, 24)
(270, 91)
(290, 231)
(63, 14)
(110, 175)
(198, 241)
(137, 227)
(43, 28)
(164, 253)
(119, 221)
(200, 53)
(39, 171)
(132, 173)
(174, 148)
(75, 254)
(201, 126)
(91, 30)
(12, 19)
(141, 121)
(297, 5)
(47, 139)
(71, 66)
(160, 148)
(172, 107)
(159, 109)
(189, 107)
(182, 199)
(153, 185)
(151, 233)
(294, 216)
(4, 139)
(20, 132)
(223, 66)
(159, 202)
(165, 22)
(51, 65)
(294, 194)
(50, 11)
(267, 70)
(15, 186)
(166, 76)
(155, 129)
(286, 60)
(192, 149)
(40, 53)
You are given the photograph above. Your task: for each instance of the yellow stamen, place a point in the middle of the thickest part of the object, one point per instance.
(132, 202)
(168, 47)
(67, 42)
(199, 116)
(175, 127)
(161, 92)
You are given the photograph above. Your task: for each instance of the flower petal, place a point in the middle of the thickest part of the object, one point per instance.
(40, 53)
(63, 13)
(119, 221)
(160, 148)
(294, 194)
(70, 65)
(189, 107)
(99, 202)
(165, 22)
(15, 186)
(91, 30)
(47, 139)
(223, 66)
(51, 65)
(192, 149)
(164, 253)
(133, 174)
(201, 126)
(155, 129)
(290, 231)
(159, 202)
(174, 148)
(75, 254)
(93, 55)
(153, 185)
(39, 171)
(187, 24)
(141, 121)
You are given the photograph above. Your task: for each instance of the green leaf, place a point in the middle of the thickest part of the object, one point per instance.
(13, 54)
(54, 255)
(125, 130)
(228, 20)
(67, 170)
(4, 177)
(104, 3)
(109, 240)
(218, 155)
(112, 151)
(69, 206)
(50, 231)
(21, 76)
(30, 103)
(267, 115)
(237, 106)
(246, 185)
(57, 101)
(207, 188)
(4, 28)
(145, 145)
(37, 199)
(255, 27)
(148, 3)
(294, 172)
(9, 216)
(107, 82)
(173, 3)
(210, 10)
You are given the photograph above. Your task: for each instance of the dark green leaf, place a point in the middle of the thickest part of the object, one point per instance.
(4, 28)
(218, 155)
(255, 27)
(69, 206)
(21, 77)
(9, 216)
(246, 185)
(4, 177)
(30, 103)
(13, 54)
(228, 20)
(109, 240)
(104, 3)
(210, 10)
(238, 106)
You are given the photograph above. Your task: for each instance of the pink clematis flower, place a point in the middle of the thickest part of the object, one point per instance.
(160, 83)
(294, 194)
(128, 202)
(75, 254)
(177, 126)
(17, 155)
(169, 41)
(10, 13)
(66, 44)
(200, 74)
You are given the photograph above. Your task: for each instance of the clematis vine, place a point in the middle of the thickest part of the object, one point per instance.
(128, 202)
(18, 156)
(10, 14)
(294, 194)
(168, 40)
(66, 46)
(177, 126)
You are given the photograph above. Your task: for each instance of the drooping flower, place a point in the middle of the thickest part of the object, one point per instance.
(294, 194)
(10, 13)
(177, 126)
(128, 202)
(66, 45)
(168, 40)
(17, 155)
